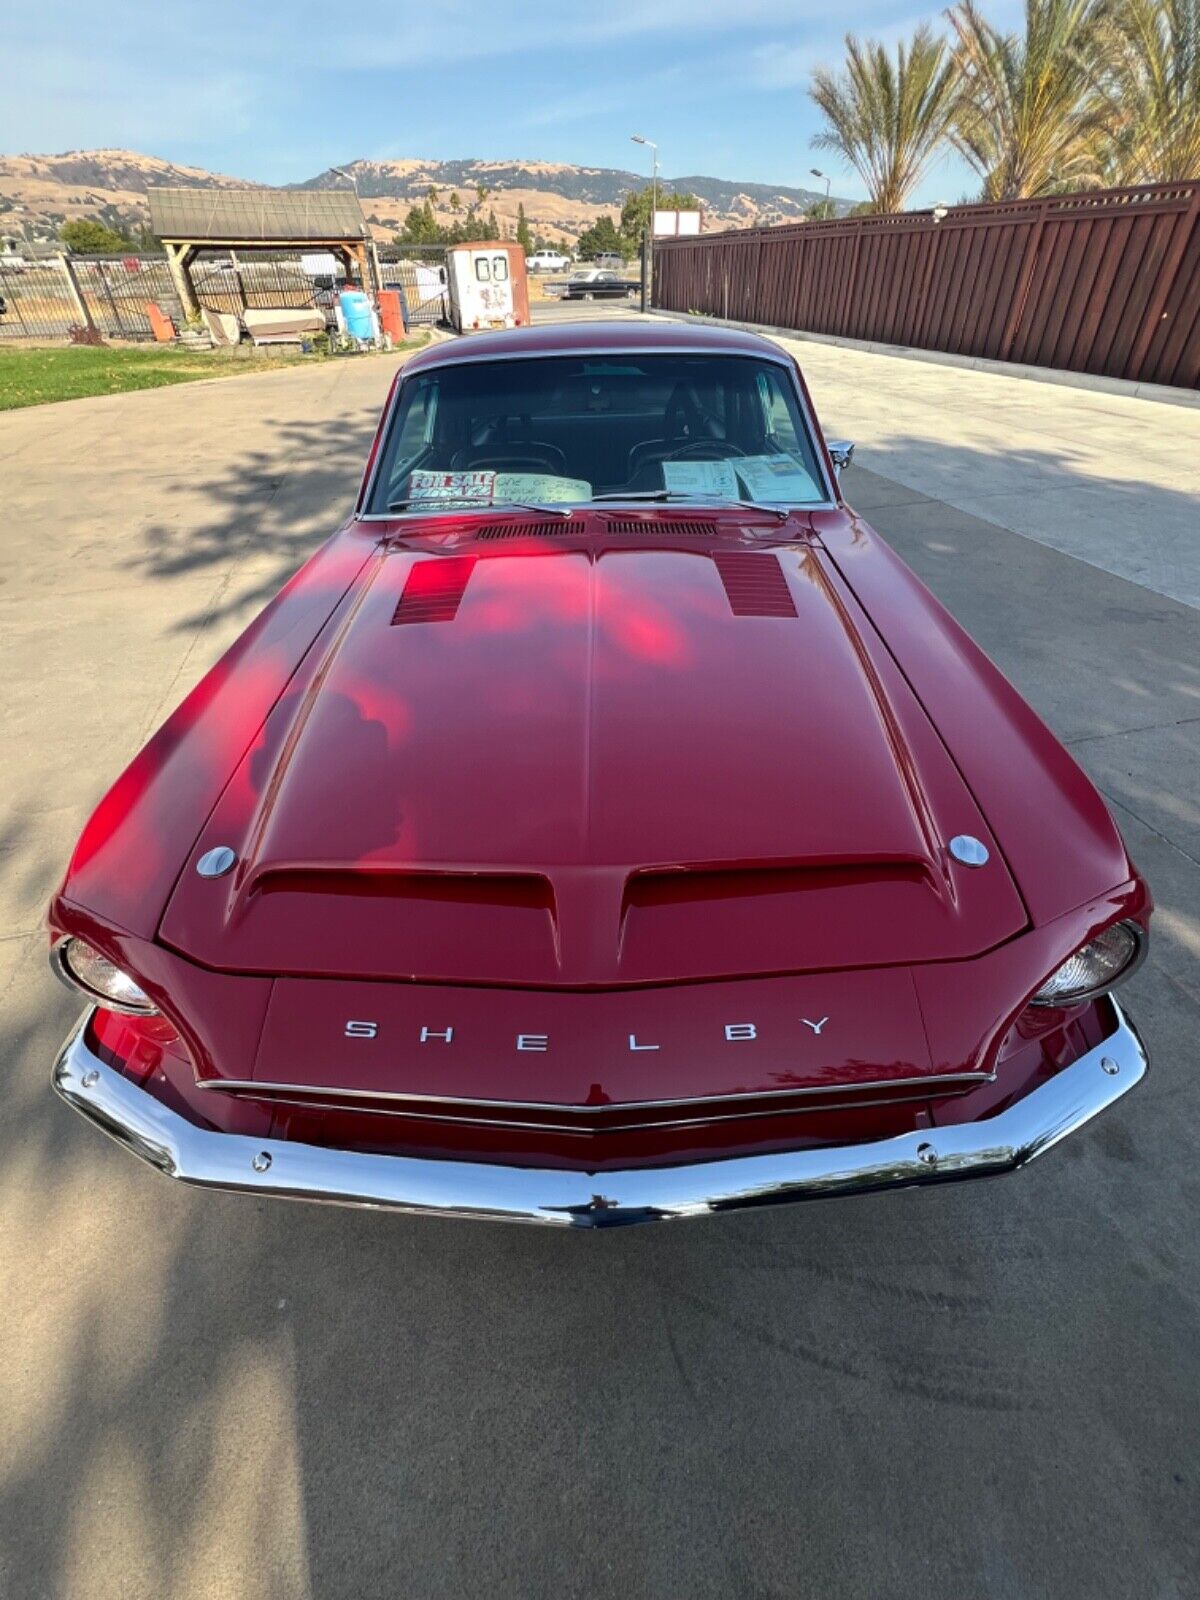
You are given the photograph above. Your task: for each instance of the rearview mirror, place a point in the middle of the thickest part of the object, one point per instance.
(841, 453)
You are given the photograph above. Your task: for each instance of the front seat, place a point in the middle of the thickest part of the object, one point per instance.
(685, 422)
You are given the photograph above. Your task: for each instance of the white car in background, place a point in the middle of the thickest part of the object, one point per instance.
(548, 261)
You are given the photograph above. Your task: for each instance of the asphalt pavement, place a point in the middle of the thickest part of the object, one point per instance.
(984, 1390)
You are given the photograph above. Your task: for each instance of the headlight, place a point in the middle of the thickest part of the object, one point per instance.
(1096, 967)
(85, 969)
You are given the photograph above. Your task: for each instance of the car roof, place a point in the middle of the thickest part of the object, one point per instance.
(585, 338)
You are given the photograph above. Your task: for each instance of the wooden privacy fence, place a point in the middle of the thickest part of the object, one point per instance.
(1106, 281)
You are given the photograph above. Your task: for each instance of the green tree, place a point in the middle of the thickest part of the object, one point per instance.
(1150, 51)
(455, 202)
(602, 238)
(886, 116)
(481, 192)
(635, 213)
(85, 237)
(524, 238)
(1028, 113)
(493, 225)
(822, 210)
(420, 226)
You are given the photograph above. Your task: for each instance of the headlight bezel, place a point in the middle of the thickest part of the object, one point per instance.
(60, 962)
(1080, 997)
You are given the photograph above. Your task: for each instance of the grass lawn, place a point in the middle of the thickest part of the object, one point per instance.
(33, 377)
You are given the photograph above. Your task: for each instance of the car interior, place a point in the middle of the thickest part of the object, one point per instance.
(610, 421)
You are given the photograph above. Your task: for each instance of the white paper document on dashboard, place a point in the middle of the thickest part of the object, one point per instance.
(714, 478)
(776, 477)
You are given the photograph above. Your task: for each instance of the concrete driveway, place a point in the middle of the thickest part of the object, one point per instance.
(979, 1391)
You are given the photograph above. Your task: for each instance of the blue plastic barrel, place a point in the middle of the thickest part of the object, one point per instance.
(356, 309)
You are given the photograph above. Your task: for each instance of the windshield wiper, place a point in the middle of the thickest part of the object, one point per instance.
(695, 499)
(433, 506)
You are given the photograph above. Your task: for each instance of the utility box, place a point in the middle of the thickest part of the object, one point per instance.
(487, 286)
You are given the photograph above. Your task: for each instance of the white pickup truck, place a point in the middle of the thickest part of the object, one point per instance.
(548, 261)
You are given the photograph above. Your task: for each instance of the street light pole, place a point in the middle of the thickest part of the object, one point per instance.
(640, 139)
(340, 172)
(817, 173)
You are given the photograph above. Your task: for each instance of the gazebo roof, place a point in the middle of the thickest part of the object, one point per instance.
(267, 216)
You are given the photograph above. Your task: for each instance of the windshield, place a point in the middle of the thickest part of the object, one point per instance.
(572, 429)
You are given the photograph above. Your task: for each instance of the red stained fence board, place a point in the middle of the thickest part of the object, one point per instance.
(1106, 281)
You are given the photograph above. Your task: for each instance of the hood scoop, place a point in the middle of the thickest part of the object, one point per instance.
(434, 589)
(754, 584)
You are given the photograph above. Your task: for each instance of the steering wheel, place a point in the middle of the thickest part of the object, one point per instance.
(693, 446)
(535, 458)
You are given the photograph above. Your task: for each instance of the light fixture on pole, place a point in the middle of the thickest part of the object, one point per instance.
(340, 172)
(639, 138)
(817, 173)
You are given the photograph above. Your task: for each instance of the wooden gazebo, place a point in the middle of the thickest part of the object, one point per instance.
(190, 220)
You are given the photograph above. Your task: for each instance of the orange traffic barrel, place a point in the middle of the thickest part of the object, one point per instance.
(391, 314)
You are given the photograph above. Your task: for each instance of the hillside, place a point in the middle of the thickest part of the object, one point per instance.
(558, 199)
(40, 192)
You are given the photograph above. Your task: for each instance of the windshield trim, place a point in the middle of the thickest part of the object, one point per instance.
(831, 502)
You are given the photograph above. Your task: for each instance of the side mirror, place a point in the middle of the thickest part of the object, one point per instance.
(841, 453)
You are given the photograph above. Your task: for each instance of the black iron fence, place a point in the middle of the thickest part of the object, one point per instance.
(420, 275)
(113, 294)
(47, 299)
(227, 281)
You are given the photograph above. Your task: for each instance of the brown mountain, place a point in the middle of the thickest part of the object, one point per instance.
(40, 192)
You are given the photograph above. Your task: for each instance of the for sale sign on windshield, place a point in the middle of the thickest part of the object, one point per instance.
(451, 485)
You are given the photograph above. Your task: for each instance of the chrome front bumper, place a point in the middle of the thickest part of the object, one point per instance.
(603, 1199)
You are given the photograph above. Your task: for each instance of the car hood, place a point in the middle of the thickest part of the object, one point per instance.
(595, 764)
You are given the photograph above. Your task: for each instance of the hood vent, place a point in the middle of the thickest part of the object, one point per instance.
(523, 530)
(677, 525)
(754, 584)
(434, 589)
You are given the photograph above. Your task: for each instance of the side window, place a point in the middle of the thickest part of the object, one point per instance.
(483, 269)
(499, 268)
(778, 416)
(416, 428)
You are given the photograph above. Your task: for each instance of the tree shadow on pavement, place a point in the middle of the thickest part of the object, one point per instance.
(265, 513)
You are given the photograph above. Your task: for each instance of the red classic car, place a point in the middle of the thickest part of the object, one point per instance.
(603, 826)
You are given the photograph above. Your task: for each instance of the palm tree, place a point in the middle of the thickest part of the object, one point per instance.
(1151, 82)
(1029, 110)
(886, 117)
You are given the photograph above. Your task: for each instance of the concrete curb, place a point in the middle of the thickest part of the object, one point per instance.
(1158, 392)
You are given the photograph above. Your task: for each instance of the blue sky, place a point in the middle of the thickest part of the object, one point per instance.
(280, 89)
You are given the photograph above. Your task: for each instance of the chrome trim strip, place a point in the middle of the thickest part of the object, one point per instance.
(557, 1198)
(264, 1088)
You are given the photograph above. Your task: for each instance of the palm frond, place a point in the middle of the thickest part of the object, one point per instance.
(885, 116)
(1029, 108)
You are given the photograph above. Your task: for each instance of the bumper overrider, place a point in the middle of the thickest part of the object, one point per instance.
(567, 1199)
